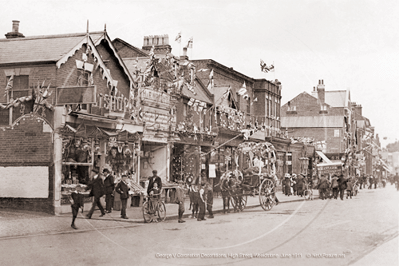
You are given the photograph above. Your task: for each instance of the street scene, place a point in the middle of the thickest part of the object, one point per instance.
(181, 135)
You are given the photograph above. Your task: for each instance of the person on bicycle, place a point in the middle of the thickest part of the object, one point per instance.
(155, 195)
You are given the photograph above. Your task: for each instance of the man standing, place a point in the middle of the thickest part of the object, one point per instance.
(97, 191)
(154, 179)
(180, 201)
(123, 189)
(342, 186)
(201, 203)
(322, 186)
(109, 184)
(335, 186)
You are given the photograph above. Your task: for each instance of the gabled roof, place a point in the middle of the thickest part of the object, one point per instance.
(336, 98)
(312, 121)
(134, 48)
(303, 94)
(50, 48)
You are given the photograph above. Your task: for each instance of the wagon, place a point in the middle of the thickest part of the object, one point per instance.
(258, 176)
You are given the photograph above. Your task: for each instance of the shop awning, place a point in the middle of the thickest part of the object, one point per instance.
(324, 157)
(258, 135)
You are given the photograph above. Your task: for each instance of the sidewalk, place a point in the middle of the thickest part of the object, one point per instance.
(14, 224)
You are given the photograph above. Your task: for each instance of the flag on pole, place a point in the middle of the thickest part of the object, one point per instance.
(190, 43)
(243, 89)
(265, 68)
(178, 37)
(10, 84)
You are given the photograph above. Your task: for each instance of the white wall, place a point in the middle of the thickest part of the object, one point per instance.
(24, 182)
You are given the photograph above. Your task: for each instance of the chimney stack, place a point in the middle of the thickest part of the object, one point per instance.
(321, 91)
(184, 56)
(160, 43)
(15, 31)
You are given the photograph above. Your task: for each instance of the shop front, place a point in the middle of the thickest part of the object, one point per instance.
(87, 146)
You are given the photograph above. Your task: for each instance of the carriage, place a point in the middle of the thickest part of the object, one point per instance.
(257, 178)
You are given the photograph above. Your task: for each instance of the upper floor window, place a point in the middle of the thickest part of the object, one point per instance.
(291, 108)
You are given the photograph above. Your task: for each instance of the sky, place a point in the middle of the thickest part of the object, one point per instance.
(350, 44)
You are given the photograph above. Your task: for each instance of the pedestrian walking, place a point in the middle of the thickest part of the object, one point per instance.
(96, 186)
(350, 187)
(322, 186)
(294, 179)
(209, 200)
(77, 202)
(180, 202)
(371, 182)
(109, 184)
(335, 186)
(300, 183)
(287, 184)
(396, 181)
(342, 181)
(202, 202)
(123, 189)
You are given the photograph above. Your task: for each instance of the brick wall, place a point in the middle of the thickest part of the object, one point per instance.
(24, 146)
(321, 134)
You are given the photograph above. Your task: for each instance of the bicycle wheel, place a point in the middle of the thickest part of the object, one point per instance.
(161, 211)
(146, 209)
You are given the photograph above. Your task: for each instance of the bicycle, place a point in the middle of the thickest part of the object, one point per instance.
(159, 212)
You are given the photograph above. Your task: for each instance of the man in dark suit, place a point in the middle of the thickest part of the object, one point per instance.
(97, 191)
(123, 189)
(109, 185)
(154, 179)
(342, 181)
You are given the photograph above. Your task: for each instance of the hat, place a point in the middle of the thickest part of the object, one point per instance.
(105, 170)
(302, 175)
(154, 171)
(95, 170)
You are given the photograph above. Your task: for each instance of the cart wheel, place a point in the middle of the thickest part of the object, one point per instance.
(161, 211)
(266, 190)
(146, 209)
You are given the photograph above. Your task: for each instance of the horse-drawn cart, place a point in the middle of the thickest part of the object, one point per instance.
(257, 178)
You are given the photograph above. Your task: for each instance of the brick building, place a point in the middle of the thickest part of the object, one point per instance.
(64, 102)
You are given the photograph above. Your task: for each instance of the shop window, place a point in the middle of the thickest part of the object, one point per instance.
(77, 157)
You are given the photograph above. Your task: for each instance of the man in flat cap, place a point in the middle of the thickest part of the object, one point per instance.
(97, 191)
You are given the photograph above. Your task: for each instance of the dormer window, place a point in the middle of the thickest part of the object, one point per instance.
(323, 109)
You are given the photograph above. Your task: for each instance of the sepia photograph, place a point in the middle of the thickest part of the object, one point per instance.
(225, 132)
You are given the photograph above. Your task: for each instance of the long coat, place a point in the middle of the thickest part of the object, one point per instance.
(123, 189)
(109, 184)
(97, 187)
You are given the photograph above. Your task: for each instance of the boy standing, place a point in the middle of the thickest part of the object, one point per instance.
(123, 189)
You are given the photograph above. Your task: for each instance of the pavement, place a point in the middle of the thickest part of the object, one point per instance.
(15, 224)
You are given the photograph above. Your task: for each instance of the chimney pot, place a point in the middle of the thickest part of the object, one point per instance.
(15, 31)
(15, 25)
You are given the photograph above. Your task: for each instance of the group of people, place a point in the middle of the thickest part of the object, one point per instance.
(336, 186)
(294, 185)
(99, 185)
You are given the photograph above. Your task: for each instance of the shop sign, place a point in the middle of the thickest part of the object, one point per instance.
(155, 96)
(330, 169)
(76, 95)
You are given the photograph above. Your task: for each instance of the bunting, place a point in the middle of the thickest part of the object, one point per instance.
(178, 37)
(243, 90)
(190, 43)
(9, 86)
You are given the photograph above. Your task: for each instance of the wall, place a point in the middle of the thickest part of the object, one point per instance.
(320, 134)
(25, 148)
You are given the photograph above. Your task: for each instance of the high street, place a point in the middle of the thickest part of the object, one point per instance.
(318, 232)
